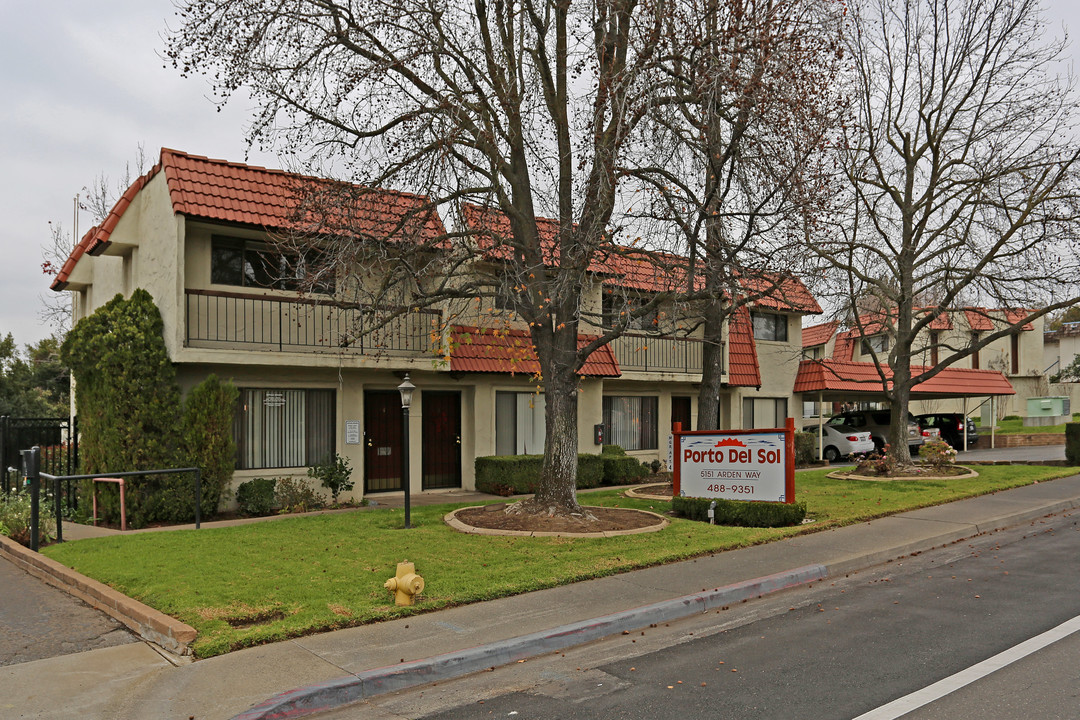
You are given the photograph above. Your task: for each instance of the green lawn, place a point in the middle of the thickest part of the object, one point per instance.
(262, 582)
(1016, 427)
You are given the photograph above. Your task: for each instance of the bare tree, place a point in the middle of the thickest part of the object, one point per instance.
(962, 175)
(523, 107)
(748, 121)
(98, 199)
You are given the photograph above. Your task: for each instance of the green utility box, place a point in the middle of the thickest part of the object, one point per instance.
(1052, 410)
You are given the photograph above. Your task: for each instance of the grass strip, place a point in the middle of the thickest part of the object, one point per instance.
(264, 582)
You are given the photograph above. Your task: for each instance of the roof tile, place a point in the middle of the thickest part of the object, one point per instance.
(494, 350)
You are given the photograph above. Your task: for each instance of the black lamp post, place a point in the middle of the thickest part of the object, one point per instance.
(406, 389)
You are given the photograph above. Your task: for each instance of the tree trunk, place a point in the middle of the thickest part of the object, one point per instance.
(712, 370)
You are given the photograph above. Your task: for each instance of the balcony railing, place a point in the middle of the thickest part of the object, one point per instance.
(658, 353)
(254, 322)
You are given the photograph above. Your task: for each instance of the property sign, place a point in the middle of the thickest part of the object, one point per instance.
(736, 464)
(352, 432)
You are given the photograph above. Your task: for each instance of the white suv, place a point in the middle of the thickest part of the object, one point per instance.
(876, 422)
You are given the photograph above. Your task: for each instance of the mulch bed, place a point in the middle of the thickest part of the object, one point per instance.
(494, 517)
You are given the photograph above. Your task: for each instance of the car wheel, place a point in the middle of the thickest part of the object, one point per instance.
(879, 444)
(832, 454)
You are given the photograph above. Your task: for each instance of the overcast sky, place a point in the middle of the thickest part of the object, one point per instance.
(84, 85)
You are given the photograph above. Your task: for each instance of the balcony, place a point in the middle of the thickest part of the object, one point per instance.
(637, 352)
(236, 321)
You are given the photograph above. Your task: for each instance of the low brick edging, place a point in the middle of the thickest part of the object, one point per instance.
(1021, 440)
(150, 624)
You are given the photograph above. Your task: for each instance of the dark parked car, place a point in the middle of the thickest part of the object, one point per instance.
(951, 428)
(876, 422)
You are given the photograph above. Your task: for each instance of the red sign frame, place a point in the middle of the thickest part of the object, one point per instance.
(789, 449)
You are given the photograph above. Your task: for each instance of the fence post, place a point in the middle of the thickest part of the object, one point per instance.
(198, 498)
(6, 483)
(31, 462)
(59, 511)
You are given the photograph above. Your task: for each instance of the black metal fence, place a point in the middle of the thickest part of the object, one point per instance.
(222, 319)
(658, 353)
(58, 438)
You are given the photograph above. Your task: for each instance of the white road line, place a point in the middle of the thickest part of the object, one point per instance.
(940, 689)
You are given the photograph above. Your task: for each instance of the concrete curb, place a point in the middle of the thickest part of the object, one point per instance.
(151, 625)
(352, 688)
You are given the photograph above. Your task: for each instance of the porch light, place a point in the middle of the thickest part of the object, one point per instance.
(406, 389)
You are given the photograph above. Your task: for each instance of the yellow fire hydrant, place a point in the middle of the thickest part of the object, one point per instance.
(406, 584)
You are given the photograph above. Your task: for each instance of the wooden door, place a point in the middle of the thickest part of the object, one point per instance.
(680, 412)
(383, 441)
(441, 440)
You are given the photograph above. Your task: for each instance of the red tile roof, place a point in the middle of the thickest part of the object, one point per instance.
(267, 199)
(836, 376)
(978, 320)
(743, 369)
(1014, 316)
(818, 334)
(631, 268)
(789, 294)
(844, 349)
(493, 350)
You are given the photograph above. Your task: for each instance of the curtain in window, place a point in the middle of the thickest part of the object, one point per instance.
(519, 423)
(282, 428)
(630, 422)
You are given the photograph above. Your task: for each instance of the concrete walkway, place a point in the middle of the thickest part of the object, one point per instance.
(323, 671)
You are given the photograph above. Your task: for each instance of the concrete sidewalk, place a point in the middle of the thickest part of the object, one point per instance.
(323, 671)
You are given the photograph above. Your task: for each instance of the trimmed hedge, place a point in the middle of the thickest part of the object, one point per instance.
(740, 513)
(520, 474)
(620, 467)
(256, 497)
(804, 449)
(1072, 443)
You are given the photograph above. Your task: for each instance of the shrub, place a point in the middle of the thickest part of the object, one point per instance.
(619, 467)
(655, 466)
(15, 519)
(804, 448)
(520, 474)
(875, 463)
(295, 495)
(1072, 443)
(740, 513)
(256, 497)
(938, 454)
(1010, 417)
(129, 406)
(334, 475)
(206, 439)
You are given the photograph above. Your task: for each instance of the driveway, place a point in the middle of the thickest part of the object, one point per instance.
(38, 621)
(1034, 453)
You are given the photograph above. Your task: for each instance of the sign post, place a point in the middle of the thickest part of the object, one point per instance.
(754, 465)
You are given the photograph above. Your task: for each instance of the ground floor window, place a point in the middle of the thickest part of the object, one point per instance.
(283, 428)
(630, 422)
(519, 423)
(764, 413)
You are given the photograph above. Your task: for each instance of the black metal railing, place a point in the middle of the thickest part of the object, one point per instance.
(259, 322)
(58, 438)
(658, 353)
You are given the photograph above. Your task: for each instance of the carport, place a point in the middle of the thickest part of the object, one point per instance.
(841, 381)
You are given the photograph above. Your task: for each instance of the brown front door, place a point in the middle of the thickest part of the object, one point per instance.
(680, 412)
(442, 440)
(383, 433)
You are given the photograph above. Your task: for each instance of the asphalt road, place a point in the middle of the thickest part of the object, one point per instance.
(38, 621)
(839, 649)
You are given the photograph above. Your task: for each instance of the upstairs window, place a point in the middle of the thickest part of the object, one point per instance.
(875, 344)
(617, 308)
(769, 326)
(249, 263)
